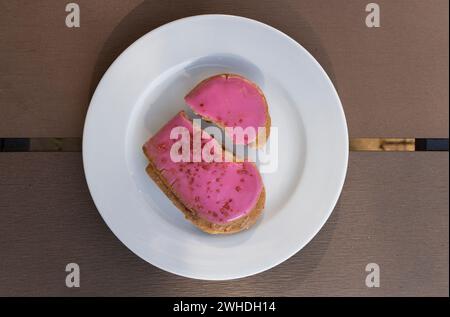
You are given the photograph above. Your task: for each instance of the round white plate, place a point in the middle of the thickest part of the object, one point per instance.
(145, 87)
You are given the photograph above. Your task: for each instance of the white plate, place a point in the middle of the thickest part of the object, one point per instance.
(145, 87)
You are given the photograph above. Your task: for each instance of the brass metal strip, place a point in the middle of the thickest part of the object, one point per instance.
(382, 144)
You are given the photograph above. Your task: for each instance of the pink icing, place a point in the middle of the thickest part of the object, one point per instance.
(230, 101)
(220, 192)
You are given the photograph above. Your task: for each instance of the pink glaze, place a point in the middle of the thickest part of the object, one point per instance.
(220, 192)
(230, 101)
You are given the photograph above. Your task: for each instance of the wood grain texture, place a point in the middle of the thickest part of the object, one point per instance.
(393, 211)
(393, 80)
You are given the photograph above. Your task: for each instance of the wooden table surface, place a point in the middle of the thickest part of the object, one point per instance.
(393, 82)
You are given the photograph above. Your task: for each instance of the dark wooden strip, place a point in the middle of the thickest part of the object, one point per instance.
(15, 145)
(40, 145)
(431, 145)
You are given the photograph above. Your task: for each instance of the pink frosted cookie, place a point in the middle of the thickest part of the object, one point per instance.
(218, 197)
(230, 100)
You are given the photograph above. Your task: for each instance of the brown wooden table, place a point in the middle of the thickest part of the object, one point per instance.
(393, 82)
